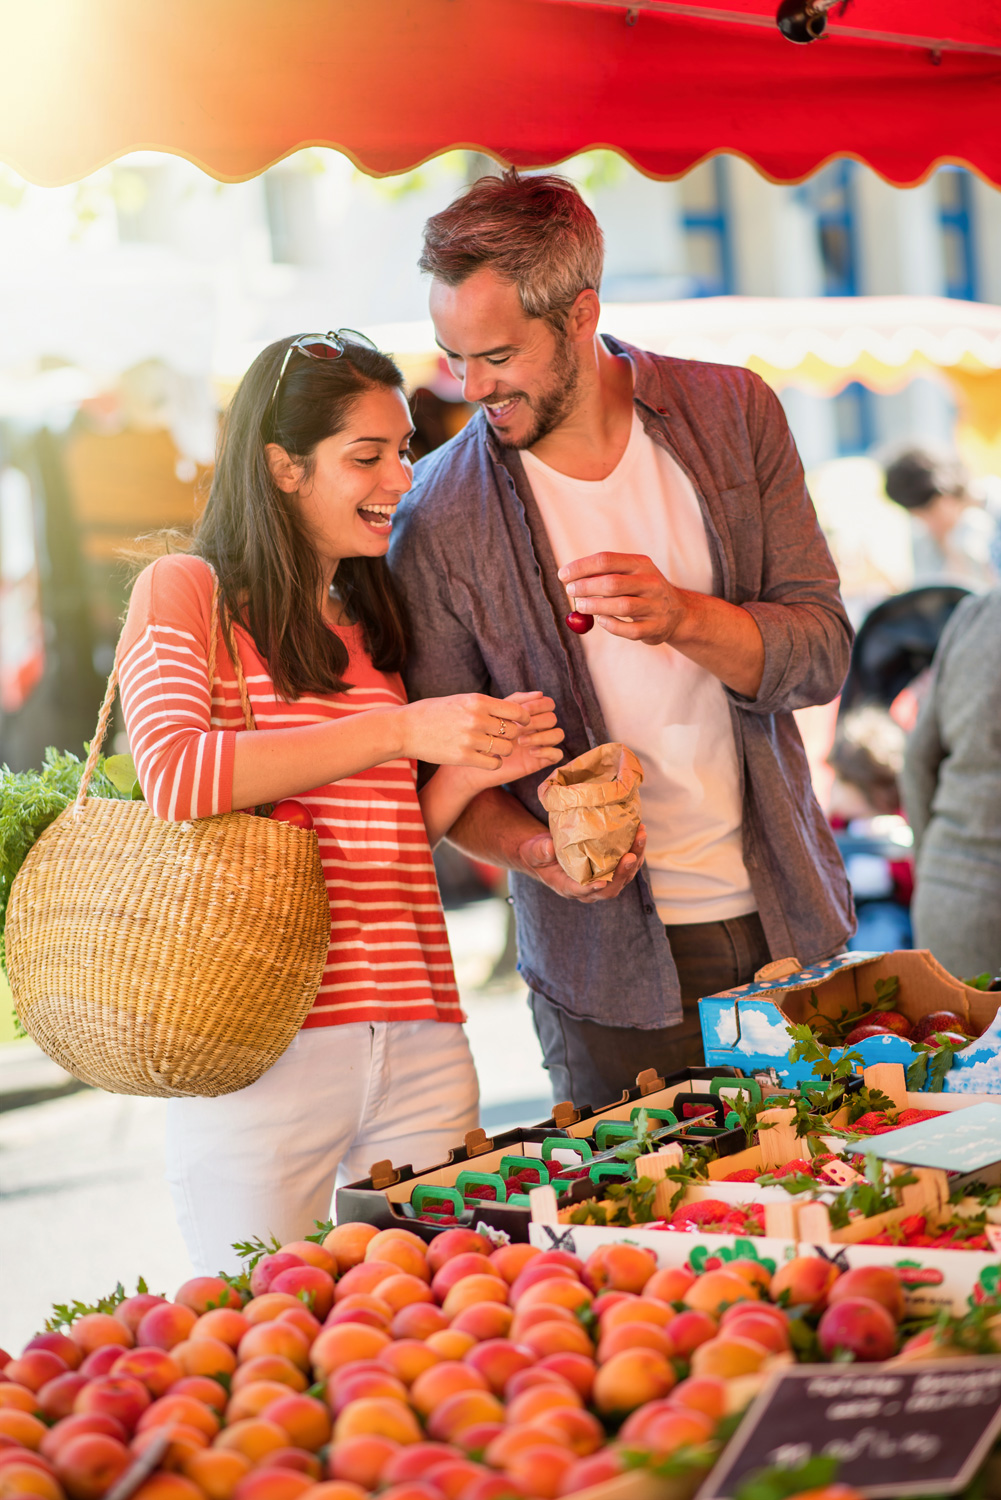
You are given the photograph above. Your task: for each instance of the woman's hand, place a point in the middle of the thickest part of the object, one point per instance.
(469, 729)
(535, 749)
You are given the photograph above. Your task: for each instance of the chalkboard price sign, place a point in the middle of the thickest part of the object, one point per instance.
(895, 1429)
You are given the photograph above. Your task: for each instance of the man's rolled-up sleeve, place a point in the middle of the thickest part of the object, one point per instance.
(806, 633)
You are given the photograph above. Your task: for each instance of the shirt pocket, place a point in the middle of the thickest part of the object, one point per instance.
(741, 510)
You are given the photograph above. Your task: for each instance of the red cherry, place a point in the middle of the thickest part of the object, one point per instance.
(579, 624)
(294, 813)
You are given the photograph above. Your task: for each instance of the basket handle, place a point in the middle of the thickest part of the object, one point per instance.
(220, 615)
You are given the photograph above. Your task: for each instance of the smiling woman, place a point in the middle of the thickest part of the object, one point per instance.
(313, 461)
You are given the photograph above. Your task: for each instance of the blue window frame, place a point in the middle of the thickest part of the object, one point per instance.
(955, 213)
(705, 219)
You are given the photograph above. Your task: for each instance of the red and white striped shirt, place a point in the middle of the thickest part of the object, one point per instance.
(389, 957)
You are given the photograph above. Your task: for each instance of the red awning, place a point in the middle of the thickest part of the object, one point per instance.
(234, 85)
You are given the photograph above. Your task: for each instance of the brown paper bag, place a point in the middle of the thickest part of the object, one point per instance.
(594, 810)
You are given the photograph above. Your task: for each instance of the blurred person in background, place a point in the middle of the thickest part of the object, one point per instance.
(955, 538)
(952, 794)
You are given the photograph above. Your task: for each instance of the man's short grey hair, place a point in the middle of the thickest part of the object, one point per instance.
(535, 232)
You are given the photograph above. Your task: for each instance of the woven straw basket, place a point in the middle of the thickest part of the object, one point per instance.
(171, 959)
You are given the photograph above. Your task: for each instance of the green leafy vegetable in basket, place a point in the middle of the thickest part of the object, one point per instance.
(31, 800)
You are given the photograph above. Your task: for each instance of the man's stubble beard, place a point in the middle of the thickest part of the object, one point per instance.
(554, 405)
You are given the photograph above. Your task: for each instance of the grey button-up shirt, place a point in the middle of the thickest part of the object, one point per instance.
(472, 557)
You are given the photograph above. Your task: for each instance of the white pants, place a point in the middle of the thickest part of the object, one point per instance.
(266, 1159)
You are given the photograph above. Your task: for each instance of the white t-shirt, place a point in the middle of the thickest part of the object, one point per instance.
(672, 713)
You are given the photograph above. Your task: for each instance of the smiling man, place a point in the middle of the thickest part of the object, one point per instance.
(665, 499)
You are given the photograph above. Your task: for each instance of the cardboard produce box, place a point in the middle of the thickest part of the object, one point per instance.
(747, 1027)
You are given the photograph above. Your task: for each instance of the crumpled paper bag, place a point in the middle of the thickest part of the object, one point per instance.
(593, 804)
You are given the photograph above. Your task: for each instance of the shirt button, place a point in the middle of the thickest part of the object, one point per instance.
(662, 411)
(649, 910)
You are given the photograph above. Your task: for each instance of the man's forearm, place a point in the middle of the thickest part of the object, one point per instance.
(493, 828)
(722, 638)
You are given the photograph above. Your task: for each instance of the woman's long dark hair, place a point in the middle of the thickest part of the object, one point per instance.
(269, 573)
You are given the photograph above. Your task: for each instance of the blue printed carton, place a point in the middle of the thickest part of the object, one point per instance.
(746, 1027)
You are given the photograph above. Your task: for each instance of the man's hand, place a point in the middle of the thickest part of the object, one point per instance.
(538, 858)
(627, 595)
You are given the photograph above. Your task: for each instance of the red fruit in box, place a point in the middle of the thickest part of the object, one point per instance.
(452, 1243)
(289, 811)
(940, 1020)
(860, 1327)
(861, 1032)
(954, 1039)
(890, 1020)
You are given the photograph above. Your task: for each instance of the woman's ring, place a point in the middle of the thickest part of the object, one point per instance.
(490, 745)
(503, 728)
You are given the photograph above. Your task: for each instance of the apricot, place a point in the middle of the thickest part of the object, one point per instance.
(414, 1462)
(400, 1291)
(204, 1357)
(763, 1329)
(803, 1281)
(132, 1311)
(303, 1319)
(267, 1309)
(528, 1405)
(597, 1469)
(361, 1307)
(15, 1397)
(476, 1439)
(310, 1285)
(254, 1437)
(313, 1254)
(171, 1408)
(759, 1309)
(415, 1489)
(216, 1471)
(19, 1479)
(202, 1388)
(223, 1324)
(377, 1416)
(305, 1419)
(441, 1381)
(203, 1293)
(509, 1260)
(535, 1272)
(714, 1290)
(484, 1320)
(251, 1399)
(165, 1486)
(57, 1398)
(555, 1293)
(511, 1440)
(634, 1336)
(753, 1272)
(344, 1343)
(461, 1410)
(451, 1476)
(493, 1487)
(297, 1459)
(35, 1368)
(399, 1248)
(541, 1469)
(704, 1393)
(857, 1326)
(452, 1242)
(418, 1321)
(667, 1431)
(728, 1355)
(267, 1483)
(354, 1386)
(75, 1425)
(578, 1370)
(277, 1338)
(347, 1243)
(457, 1269)
(94, 1330)
(59, 1344)
(157, 1369)
(361, 1460)
(556, 1337)
(878, 1283)
(450, 1343)
(273, 1367)
(21, 1426)
(669, 1283)
(497, 1360)
(623, 1268)
(119, 1396)
(89, 1464)
(270, 1266)
(524, 1380)
(184, 1441)
(100, 1361)
(335, 1489)
(164, 1326)
(638, 1310)
(364, 1278)
(11, 1452)
(577, 1430)
(631, 1378)
(408, 1358)
(541, 1313)
(605, 1301)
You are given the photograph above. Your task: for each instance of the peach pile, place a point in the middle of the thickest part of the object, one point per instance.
(449, 1371)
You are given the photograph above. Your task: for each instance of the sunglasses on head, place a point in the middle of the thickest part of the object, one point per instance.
(330, 345)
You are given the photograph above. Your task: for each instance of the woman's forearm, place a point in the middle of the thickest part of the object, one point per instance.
(445, 797)
(270, 764)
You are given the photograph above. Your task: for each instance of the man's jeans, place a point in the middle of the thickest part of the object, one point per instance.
(591, 1064)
